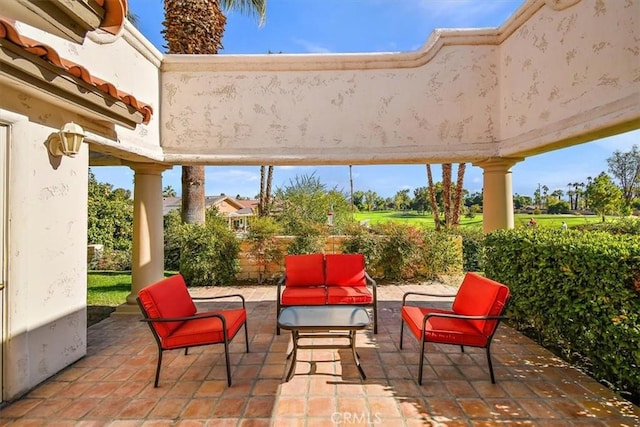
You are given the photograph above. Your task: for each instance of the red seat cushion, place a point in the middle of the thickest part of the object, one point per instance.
(304, 270)
(481, 296)
(310, 295)
(442, 330)
(345, 270)
(349, 295)
(206, 331)
(167, 298)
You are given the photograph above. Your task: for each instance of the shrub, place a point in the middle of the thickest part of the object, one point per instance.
(114, 260)
(309, 238)
(399, 254)
(398, 251)
(441, 254)
(364, 241)
(172, 240)
(264, 247)
(617, 226)
(577, 293)
(559, 207)
(209, 253)
(472, 248)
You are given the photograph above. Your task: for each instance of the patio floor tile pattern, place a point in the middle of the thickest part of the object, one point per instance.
(113, 384)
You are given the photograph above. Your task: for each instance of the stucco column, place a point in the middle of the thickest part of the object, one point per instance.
(147, 260)
(497, 202)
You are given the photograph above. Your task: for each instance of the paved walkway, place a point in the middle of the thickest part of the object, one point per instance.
(113, 384)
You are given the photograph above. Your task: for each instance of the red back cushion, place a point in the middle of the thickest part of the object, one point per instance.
(167, 298)
(481, 296)
(304, 270)
(345, 270)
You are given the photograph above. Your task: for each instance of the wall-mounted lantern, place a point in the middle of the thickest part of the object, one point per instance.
(67, 141)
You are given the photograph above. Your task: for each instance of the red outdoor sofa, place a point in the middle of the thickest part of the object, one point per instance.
(319, 279)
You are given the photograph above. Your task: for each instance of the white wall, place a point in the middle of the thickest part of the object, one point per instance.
(46, 288)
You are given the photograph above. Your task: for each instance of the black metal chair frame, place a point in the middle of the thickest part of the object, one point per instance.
(423, 341)
(226, 341)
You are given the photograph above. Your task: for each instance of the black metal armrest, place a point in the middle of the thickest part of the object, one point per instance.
(424, 294)
(370, 279)
(459, 316)
(373, 283)
(219, 297)
(281, 283)
(184, 319)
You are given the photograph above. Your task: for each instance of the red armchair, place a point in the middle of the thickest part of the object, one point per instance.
(473, 319)
(173, 318)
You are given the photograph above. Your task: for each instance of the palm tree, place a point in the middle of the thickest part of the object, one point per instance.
(432, 198)
(197, 27)
(168, 191)
(264, 202)
(446, 194)
(457, 200)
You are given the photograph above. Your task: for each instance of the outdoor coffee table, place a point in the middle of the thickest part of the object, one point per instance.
(320, 321)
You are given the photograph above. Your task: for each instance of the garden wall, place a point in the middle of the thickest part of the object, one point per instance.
(249, 269)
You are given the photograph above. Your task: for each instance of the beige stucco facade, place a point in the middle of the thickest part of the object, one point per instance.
(45, 278)
(558, 72)
(547, 78)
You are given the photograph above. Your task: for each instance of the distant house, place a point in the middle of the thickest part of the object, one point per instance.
(237, 211)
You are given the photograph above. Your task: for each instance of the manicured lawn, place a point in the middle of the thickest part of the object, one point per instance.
(108, 288)
(521, 220)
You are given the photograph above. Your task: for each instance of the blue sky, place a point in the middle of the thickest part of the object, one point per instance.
(351, 26)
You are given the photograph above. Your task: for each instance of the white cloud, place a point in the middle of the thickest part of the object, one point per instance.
(225, 174)
(311, 47)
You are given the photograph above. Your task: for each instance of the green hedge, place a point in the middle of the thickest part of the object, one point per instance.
(576, 292)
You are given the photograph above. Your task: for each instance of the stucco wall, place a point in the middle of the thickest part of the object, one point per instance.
(46, 258)
(325, 116)
(131, 64)
(558, 72)
(568, 70)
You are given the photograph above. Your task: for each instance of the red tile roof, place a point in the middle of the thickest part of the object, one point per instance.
(9, 32)
(115, 12)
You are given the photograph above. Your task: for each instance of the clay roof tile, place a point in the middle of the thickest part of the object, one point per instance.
(9, 32)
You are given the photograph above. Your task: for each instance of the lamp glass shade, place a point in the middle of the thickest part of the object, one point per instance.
(70, 138)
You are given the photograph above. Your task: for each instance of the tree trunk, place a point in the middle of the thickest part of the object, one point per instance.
(351, 188)
(267, 196)
(446, 194)
(458, 197)
(193, 209)
(261, 204)
(432, 199)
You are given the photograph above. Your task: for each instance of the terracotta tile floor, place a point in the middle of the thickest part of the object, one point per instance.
(113, 384)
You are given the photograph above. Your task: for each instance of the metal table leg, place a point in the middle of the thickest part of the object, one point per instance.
(352, 338)
(294, 353)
